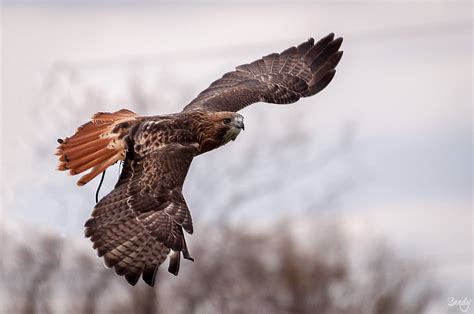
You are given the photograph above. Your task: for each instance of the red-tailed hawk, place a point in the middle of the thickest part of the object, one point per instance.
(141, 221)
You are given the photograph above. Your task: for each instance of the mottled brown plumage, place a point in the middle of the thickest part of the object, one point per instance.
(141, 221)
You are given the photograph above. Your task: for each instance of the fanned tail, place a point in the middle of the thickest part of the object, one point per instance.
(96, 144)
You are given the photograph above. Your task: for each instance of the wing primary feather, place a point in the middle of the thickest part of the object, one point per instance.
(175, 259)
(322, 83)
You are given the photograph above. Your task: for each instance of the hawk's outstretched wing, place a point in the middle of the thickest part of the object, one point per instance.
(136, 225)
(277, 78)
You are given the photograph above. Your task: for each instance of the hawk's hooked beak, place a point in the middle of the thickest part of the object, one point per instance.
(239, 123)
(234, 131)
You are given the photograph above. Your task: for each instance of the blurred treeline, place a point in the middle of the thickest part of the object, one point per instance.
(292, 267)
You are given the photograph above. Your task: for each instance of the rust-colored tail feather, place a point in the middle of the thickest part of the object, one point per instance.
(96, 144)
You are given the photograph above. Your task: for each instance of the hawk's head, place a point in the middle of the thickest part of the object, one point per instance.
(219, 128)
(231, 124)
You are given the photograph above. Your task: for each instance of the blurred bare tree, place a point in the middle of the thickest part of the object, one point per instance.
(29, 275)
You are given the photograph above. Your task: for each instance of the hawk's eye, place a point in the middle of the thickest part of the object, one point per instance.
(226, 121)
